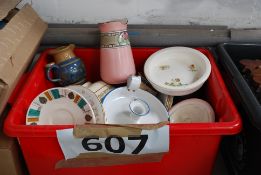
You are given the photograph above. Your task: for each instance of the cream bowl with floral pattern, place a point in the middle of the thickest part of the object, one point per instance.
(177, 71)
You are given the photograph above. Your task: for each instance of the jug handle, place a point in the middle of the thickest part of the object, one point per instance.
(48, 70)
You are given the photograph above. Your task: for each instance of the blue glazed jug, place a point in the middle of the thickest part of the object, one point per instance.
(67, 69)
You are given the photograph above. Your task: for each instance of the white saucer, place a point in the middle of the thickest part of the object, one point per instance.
(192, 111)
(117, 107)
(59, 106)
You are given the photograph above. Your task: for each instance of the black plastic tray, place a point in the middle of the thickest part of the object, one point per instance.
(242, 152)
(229, 56)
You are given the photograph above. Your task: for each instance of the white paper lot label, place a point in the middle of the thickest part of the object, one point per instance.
(150, 141)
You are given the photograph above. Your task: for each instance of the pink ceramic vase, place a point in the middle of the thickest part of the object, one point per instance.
(116, 63)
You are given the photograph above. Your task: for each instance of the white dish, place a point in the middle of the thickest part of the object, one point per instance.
(59, 106)
(177, 71)
(101, 89)
(192, 111)
(118, 102)
(95, 103)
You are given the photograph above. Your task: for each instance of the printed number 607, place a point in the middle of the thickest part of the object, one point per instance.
(90, 146)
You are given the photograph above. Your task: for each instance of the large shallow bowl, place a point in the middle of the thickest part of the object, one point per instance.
(177, 71)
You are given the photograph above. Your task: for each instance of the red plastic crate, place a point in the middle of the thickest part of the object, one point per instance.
(193, 147)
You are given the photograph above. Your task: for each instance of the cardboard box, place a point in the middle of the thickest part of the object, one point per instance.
(10, 156)
(11, 161)
(19, 40)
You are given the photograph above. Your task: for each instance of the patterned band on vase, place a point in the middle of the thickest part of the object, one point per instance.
(114, 39)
